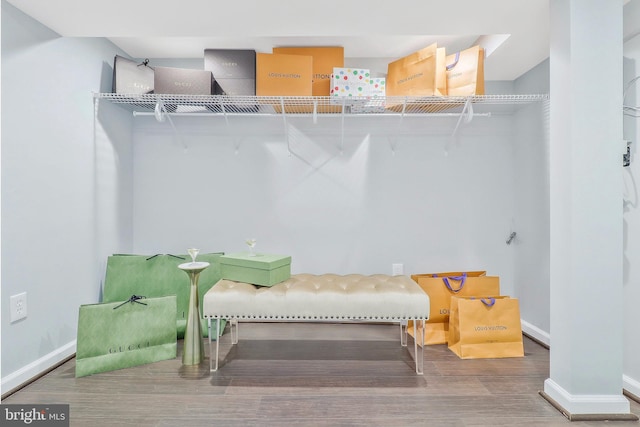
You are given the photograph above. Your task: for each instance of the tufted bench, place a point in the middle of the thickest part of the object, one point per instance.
(326, 297)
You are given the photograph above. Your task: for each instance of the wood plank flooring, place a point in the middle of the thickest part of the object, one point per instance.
(312, 374)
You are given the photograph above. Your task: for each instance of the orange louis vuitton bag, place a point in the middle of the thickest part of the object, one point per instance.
(487, 327)
(441, 287)
(421, 73)
(465, 72)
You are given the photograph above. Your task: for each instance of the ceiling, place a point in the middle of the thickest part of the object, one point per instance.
(515, 32)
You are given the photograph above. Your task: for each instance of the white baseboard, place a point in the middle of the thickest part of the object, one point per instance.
(628, 384)
(536, 333)
(586, 404)
(37, 368)
(631, 385)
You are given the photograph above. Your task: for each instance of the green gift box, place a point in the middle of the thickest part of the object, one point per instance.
(258, 269)
(124, 334)
(159, 275)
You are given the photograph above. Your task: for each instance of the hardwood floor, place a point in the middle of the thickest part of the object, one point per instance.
(312, 374)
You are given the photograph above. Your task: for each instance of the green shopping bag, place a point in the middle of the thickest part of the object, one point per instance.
(159, 275)
(124, 334)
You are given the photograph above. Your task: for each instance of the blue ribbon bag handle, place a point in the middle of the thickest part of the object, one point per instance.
(460, 279)
(455, 62)
(488, 301)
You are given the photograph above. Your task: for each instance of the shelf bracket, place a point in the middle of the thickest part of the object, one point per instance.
(225, 114)
(468, 109)
(315, 112)
(394, 145)
(286, 127)
(161, 113)
(342, 127)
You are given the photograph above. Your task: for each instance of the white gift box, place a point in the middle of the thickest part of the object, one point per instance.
(356, 87)
(375, 98)
(350, 82)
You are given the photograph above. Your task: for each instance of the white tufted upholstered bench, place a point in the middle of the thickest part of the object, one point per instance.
(325, 297)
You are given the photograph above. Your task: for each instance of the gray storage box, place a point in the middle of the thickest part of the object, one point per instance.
(182, 81)
(131, 77)
(234, 71)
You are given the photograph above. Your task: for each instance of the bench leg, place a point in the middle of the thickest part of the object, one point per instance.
(210, 351)
(218, 321)
(233, 325)
(403, 333)
(234, 337)
(213, 357)
(418, 334)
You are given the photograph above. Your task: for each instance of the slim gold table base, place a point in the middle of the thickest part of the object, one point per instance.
(193, 352)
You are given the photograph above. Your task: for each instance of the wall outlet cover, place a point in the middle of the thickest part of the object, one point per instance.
(397, 269)
(18, 307)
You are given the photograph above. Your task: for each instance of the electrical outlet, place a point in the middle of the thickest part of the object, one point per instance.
(397, 269)
(18, 307)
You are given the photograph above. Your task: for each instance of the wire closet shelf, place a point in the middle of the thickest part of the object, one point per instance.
(212, 105)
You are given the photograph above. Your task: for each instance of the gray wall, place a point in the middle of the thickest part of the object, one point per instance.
(631, 209)
(53, 195)
(531, 197)
(359, 210)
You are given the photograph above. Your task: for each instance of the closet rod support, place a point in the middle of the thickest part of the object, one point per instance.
(286, 127)
(468, 110)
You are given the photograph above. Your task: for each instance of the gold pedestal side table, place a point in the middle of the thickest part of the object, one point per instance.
(193, 352)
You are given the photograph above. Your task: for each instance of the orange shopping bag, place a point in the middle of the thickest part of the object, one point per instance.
(420, 74)
(441, 287)
(485, 327)
(465, 72)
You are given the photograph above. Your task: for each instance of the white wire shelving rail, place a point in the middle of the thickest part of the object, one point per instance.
(217, 105)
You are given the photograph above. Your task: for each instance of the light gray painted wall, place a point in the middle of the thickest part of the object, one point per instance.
(357, 211)
(52, 233)
(631, 207)
(531, 197)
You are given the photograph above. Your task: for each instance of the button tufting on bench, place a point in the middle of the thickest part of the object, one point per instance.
(326, 296)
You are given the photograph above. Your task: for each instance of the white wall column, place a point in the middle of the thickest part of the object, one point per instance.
(586, 210)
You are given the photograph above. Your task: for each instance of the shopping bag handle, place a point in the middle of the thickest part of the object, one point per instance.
(133, 298)
(455, 62)
(488, 301)
(175, 256)
(460, 279)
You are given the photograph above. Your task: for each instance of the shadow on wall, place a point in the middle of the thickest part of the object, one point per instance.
(106, 78)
